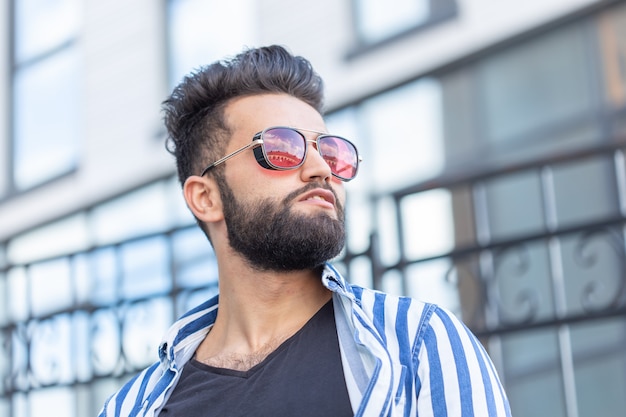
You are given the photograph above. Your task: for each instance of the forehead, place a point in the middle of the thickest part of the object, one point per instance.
(246, 116)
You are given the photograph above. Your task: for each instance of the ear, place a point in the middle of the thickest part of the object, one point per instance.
(203, 198)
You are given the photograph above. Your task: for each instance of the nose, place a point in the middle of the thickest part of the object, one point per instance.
(314, 166)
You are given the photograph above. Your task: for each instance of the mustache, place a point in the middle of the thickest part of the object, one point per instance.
(311, 186)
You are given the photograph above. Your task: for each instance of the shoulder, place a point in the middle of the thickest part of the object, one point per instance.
(131, 396)
(407, 318)
(399, 318)
(376, 302)
(175, 350)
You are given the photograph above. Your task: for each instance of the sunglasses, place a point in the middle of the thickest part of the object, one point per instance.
(284, 148)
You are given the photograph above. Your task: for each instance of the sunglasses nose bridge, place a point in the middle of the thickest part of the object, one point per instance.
(314, 143)
(315, 158)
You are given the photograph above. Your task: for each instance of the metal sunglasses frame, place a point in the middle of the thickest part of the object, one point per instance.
(257, 141)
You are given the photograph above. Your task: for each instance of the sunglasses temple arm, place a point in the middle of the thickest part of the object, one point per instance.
(255, 142)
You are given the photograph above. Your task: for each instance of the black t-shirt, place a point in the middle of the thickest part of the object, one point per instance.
(303, 377)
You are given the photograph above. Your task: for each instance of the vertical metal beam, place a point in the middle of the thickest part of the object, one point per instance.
(619, 165)
(558, 288)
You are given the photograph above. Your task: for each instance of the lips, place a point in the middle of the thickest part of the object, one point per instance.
(319, 194)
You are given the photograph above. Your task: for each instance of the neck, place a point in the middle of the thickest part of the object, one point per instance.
(258, 311)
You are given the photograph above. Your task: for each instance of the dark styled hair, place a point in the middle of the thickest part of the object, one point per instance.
(194, 112)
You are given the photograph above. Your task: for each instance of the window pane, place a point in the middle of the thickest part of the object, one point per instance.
(51, 359)
(145, 266)
(202, 31)
(381, 19)
(61, 237)
(186, 300)
(584, 191)
(178, 210)
(431, 281)
(403, 151)
(537, 84)
(54, 398)
(105, 341)
(514, 205)
(5, 365)
(47, 119)
(143, 327)
(18, 288)
(195, 262)
(522, 287)
(104, 275)
(146, 210)
(593, 267)
(41, 25)
(51, 286)
(612, 34)
(4, 300)
(598, 349)
(427, 214)
(533, 374)
(358, 210)
(3, 256)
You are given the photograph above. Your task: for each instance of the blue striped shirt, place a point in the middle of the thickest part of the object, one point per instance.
(400, 357)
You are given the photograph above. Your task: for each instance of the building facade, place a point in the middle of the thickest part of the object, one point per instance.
(493, 181)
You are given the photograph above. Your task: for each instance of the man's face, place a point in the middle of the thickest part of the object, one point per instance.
(271, 235)
(280, 220)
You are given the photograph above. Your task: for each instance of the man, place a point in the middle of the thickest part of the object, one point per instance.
(290, 336)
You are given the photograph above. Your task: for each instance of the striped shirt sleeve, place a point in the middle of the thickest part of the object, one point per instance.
(455, 375)
(128, 401)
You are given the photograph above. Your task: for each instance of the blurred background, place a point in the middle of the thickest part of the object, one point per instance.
(493, 181)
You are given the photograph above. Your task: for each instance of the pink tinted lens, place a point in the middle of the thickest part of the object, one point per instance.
(340, 155)
(284, 148)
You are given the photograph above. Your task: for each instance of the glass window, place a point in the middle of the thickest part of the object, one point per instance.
(594, 195)
(103, 275)
(144, 325)
(358, 210)
(105, 341)
(61, 237)
(599, 352)
(50, 350)
(145, 210)
(53, 398)
(432, 281)
(41, 26)
(195, 263)
(50, 286)
(46, 111)
(514, 205)
(612, 36)
(378, 20)
(523, 284)
(427, 214)
(197, 28)
(4, 302)
(145, 267)
(46, 119)
(534, 382)
(17, 286)
(5, 366)
(538, 84)
(402, 151)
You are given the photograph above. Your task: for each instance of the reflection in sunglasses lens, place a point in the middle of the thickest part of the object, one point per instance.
(340, 155)
(284, 148)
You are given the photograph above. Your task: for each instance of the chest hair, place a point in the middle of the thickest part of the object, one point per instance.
(242, 361)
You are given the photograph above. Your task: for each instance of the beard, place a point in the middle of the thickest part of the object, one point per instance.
(272, 237)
